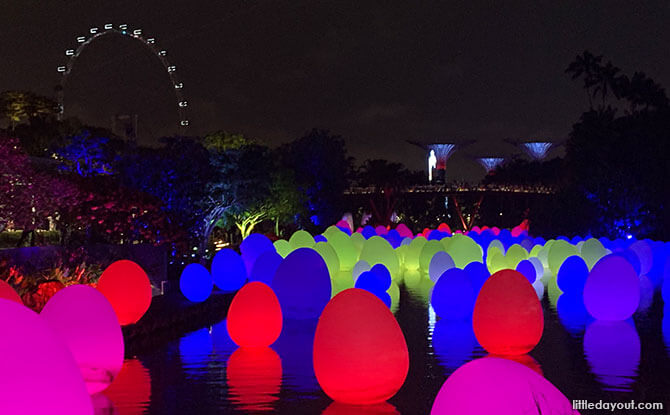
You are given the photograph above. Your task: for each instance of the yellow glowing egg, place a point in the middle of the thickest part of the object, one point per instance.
(558, 252)
(329, 256)
(283, 247)
(535, 251)
(414, 252)
(344, 248)
(592, 250)
(464, 250)
(496, 262)
(378, 250)
(427, 252)
(358, 240)
(401, 251)
(301, 239)
(515, 254)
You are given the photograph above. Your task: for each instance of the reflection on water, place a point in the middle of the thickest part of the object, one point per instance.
(383, 408)
(254, 377)
(453, 342)
(612, 349)
(204, 372)
(572, 313)
(295, 349)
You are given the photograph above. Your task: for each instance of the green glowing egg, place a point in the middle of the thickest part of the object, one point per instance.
(464, 250)
(429, 249)
(592, 251)
(301, 239)
(283, 247)
(515, 254)
(378, 250)
(329, 256)
(413, 252)
(558, 252)
(344, 248)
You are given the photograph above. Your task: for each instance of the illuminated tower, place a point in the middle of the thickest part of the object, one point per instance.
(490, 163)
(442, 154)
(537, 150)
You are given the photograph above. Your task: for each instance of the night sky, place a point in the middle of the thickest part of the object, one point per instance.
(376, 72)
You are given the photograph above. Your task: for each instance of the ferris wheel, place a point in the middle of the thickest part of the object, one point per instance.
(123, 30)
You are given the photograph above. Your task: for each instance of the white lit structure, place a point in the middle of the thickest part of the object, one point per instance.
(537, 150)
(490, 163)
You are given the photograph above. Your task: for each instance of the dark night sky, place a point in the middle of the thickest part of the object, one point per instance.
(376, 72)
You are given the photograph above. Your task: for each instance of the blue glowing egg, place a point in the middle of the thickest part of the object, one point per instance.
(612, 289)
(478, 274)
(228, 270)
(572, 313)
(572, 275)
(440, 262)
(195, 283)
(527, 269)
(320, 238)
(373, 281)
(302, 284)
(384, 275)
(632, 258)
(368, 232)
(453, 295)
(265, 267)
(252, 247)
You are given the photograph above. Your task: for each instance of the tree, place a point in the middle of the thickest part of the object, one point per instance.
(323, 171)
(17, 107)
(88, 155)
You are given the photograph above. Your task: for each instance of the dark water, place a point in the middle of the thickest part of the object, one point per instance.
(204, 373)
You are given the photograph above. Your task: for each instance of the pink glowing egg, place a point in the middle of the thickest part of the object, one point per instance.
(128, 289)
(38, 374)
(360, 354)
(8, 293)
(508, 318)
(498, 386)
(254, 316)
(85, 320)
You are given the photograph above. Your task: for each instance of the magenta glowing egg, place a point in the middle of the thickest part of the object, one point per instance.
(508, 317)
(612, 289)
(128, 289)
(492, 385)
(360, 354)
(85, 320)
(8, 293)
(38, 374)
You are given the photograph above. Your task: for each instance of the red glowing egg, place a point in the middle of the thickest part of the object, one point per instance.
(128, 289)
(360, 354)
(254, 377)
(38, 374)
(508, 318)
(8, 293)
(85, 320)
(254, 317)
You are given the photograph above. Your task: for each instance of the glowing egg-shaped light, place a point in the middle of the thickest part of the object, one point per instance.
(377, 250)
(265, 267)
(414, 252)
(464, 250)
(632, 259)
(572, 275)
(612, 289)
(401, 252)
(360, 354)
(515, 254)
(254, 316)
(539, 289)
(494, 385)
(32, 354)
(429, 250)
(8, 293)
(347, 253)
(495, 244)
(360, 267)
(128, 289)
(496, 261)
(86, 321)
(612, 350)
(320, 238)
(329, 256)
(478, 274)
(592, 250)
(282, 247)
(572, 313)
(229, 271)
(539, 268)
(453, 295)
(507, 317)
(440, 262)
(302, 284)
(527, 269)
(358, 240)
(301, 239)
(645, 254)
(404, 231)
(196, 283)
(453, 342)
(535, 250)
(558, 252)
(252, 247)
(368, 232)
(377, 279)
